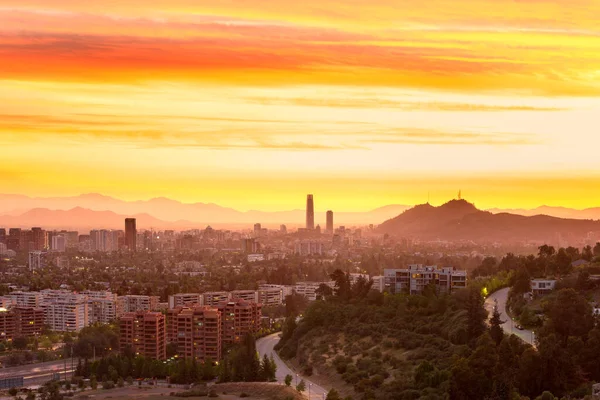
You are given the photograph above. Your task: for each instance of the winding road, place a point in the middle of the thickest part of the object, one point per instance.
(509, 325)
(40, 373)
(265, 346)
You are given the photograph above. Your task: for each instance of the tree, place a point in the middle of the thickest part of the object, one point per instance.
(120, 382)
(476, 314)
(597, 250)
(20, 343)
(13, 391)
(323, 291)
(30, 396)
(587, 253)
(93, 382)
(546, 396)
(301, 387)
(583, 280)
(496, 330)
(288, 380)
(342, 284)
(333, 395)
(570, 315)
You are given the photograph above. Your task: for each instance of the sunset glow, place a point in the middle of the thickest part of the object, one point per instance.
(253, 104)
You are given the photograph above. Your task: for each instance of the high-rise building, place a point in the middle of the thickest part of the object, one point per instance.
(144, 333)
(39, 238)
(283, 229)
(196, 331)
(2, 235)
(310, 212)
(102, 306)
(329, 226)
(37, 260)
(257, 229)
(238, 319)
(130, 234)
(59, 243)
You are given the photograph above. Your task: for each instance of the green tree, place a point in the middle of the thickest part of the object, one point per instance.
(301, 387)
(476, 314)
(13, 391)
(20, 343)
(570, 315)
(94, 382)
(546, 396)
(333, 395)
(587, 253)
(597, 250)
(496, 330)
(120, 382)
(288, 380)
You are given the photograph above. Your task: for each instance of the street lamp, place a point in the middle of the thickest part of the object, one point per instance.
(309, 385)
(532, 333)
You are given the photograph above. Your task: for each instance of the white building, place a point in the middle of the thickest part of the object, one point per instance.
(542, 286)
(135, 303)
(378, 283)
(308, 248)
(59, 243)
(248, 295)
(182, 299)
(214, 298)
(415, 278)
(270, 297)
(25, 299)
(256, 257)
(65, 311)
(309, 289)
(102, 306)
(285, 290)
(37, 260)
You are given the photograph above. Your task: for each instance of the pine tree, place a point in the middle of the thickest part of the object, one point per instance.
(496, 330)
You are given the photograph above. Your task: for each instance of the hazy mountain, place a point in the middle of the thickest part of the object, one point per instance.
(561, 212)
(168, 210)
(82, 219)
(460, 220)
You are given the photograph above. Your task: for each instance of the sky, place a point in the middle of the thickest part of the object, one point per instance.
(253, 104)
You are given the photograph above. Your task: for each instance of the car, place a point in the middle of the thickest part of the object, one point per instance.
(519, 327)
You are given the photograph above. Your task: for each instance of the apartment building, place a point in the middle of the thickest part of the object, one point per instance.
(214, 298)
(135, 303)
(197, 332)
(378, 283)
(185, 299)
(308, 248)
(24, 299)
(144, 332)
(248, 295)
(239, 318)
(542, 286)
(309, 289)
(415, 278)
(270, 297)
(65, 311)
(102, 306)
(21, 322)
(285, 290)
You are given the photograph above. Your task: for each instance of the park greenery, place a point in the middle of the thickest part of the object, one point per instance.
(240, 364)
(441, 346)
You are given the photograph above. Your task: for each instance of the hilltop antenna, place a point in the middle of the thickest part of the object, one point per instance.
(459, 194)
(427, 197)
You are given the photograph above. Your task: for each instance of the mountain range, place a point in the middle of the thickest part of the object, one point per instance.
(461, 220)
(94, 210)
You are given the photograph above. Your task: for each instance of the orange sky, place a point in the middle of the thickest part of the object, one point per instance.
(252, 104)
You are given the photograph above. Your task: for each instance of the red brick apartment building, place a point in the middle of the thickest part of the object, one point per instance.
(145, 333)
(239, 318)
(21, 322)
(197, 332)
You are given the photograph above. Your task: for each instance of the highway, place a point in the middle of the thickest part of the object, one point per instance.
(265, 346)
(509, 325)
(38, 374)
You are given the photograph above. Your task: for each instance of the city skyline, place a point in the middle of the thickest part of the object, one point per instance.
(252, 105)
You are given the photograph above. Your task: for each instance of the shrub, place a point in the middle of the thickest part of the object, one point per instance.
(212, 393)
(244, 395)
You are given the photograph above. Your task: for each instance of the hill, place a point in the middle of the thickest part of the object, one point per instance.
(461, 220)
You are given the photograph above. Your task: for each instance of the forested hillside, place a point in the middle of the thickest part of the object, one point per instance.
(431, 347)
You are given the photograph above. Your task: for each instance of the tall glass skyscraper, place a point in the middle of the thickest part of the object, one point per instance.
(310, 212)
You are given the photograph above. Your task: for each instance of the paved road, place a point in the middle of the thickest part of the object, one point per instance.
(509, 325)
(265, 346)
(38, 374)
